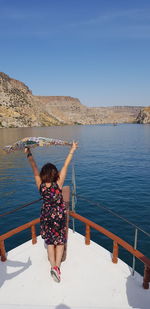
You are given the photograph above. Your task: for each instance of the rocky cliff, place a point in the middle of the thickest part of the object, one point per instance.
(144, 115)
(20, 108)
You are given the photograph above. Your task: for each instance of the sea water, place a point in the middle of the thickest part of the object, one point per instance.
(112, 168)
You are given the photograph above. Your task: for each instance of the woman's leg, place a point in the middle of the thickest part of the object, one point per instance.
(59, 253)
(51, 255)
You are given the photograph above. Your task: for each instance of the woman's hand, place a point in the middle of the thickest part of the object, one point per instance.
(27, 150)
(74, 146)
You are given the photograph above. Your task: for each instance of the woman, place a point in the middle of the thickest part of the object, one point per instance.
(53, 212)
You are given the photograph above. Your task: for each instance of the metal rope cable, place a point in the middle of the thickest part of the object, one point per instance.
(23, 206)
(18, 208)
(113, 213)
(89, 201)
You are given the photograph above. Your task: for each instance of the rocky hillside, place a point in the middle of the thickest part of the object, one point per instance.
(144, 115)
(20, 108)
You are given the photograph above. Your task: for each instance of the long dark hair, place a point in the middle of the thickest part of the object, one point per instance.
(49, 173)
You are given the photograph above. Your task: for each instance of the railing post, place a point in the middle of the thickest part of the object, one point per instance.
(135, 246)
(33, 232)
(115, 252)
(73, 196)
(87, 235)
(2, 251)
(146, 278)
(66, 196)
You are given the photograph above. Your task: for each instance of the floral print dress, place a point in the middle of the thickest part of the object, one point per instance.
(53, 215)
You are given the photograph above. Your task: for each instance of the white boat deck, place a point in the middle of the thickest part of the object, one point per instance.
(89, 279)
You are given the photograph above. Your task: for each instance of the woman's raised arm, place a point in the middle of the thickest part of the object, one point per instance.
(34, 167)
(63, 172)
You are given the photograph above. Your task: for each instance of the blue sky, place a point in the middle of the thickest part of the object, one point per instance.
(97, 51)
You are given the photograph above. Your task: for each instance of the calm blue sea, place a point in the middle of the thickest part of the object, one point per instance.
(112, 167)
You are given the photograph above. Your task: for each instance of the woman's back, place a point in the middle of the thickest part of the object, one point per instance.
(52, 194)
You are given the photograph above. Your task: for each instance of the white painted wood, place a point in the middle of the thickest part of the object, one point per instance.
(89, 279)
